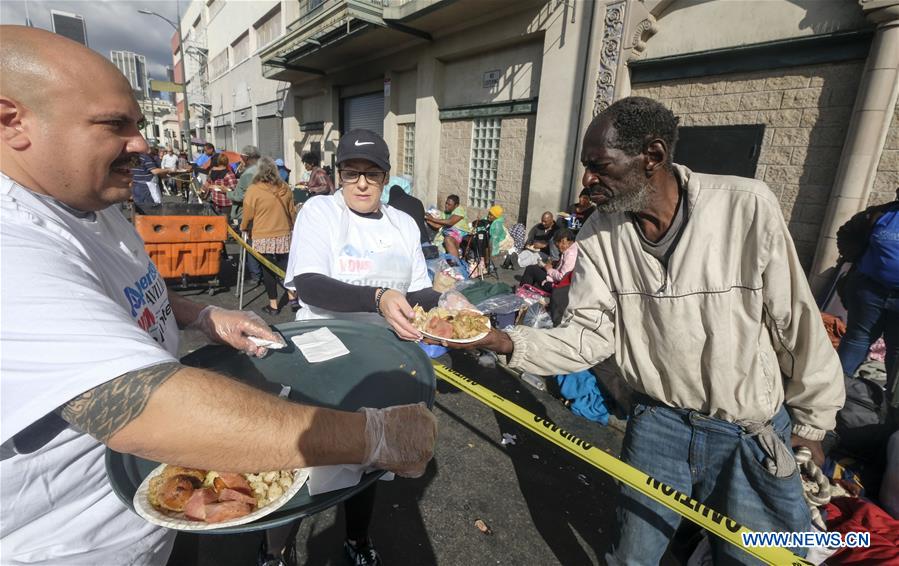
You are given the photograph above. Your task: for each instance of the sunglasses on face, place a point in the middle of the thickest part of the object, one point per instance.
(351, 176)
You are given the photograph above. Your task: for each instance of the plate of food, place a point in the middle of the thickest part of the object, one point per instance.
(187, 499)
(458, 326)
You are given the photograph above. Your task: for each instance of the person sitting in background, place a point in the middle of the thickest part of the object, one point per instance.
(355, 259)
(538, 246)
(283, 171)
(268, 216)
(407, 203)
(219, 181)
(320, 182)
(487, 237)
(546, 276)
(453, 225)
(577, 213)
(555, 280)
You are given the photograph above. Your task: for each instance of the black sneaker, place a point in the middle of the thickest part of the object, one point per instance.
(362, 554)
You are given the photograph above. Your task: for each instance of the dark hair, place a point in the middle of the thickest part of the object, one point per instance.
(637, 121)
(563, 234)
(584, 193)
(312, 158)
(454, 198)
(208, 145)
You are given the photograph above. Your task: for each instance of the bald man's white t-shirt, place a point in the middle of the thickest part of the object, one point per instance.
(82, 304)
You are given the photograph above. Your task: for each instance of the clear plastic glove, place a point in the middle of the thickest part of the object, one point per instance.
(234, 327)
(400, 439)
(396, 310)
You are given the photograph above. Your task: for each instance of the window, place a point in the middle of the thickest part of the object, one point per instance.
(241, 48)
(485, 134)
(219, 64)
(214, 7)
(268, 30)
(409, 149)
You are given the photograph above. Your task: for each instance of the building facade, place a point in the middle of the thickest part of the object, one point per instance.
(190, 69)
(134, 67)
(69, 25)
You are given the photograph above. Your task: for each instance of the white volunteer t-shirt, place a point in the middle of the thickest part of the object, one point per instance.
(330, 239)
(82, 304)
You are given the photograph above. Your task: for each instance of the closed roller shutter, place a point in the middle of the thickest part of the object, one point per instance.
(271, 139)
(223, 136)
(366, 111)
(243, 135)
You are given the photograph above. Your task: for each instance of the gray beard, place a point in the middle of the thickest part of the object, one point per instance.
(633, 201)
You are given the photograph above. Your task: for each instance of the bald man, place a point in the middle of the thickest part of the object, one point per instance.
(90, 333)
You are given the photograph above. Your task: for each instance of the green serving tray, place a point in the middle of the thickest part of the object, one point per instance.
(381, 370)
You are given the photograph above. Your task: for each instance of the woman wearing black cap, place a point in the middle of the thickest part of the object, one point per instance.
(351, 258)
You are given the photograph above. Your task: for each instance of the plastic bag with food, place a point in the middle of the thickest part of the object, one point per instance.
(537, 317)
(454, 301)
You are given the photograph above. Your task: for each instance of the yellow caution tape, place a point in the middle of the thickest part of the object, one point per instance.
(680, 503)
(269, 265)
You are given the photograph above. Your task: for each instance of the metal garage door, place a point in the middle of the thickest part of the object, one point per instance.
(243, 135)
(271, 138)
(223, 137)
(366, 111)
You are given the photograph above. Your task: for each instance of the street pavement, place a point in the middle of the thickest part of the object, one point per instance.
(542, 505)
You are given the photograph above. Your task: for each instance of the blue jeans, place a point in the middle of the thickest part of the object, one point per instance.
(873, 310)
(712, 461)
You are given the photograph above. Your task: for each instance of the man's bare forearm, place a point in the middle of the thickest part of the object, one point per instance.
(186, 311)
(201, 419)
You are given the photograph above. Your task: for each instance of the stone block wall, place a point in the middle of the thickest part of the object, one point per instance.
(455, 155)
(887, 180)
(806, 113)
(513, 169)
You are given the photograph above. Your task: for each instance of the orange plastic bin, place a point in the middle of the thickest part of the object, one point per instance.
(184, 246)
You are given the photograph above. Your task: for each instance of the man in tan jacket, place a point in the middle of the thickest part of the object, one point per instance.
(692, 282)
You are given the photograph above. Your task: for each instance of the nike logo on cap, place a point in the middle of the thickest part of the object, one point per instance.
(358, 143)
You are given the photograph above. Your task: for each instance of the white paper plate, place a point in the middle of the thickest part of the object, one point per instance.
(143, 507)
(459, 341)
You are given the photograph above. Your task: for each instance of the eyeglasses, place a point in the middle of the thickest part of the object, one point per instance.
(350, 176)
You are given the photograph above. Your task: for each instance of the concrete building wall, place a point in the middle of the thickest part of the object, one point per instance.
(405, 90)
(691, 26)
(241, 88)
(518, 67)
(806, 113)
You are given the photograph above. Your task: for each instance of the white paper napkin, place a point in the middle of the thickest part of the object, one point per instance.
(320, 345)
(323, 479)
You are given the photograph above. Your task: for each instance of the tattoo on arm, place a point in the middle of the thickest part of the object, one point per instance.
(108, 408)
